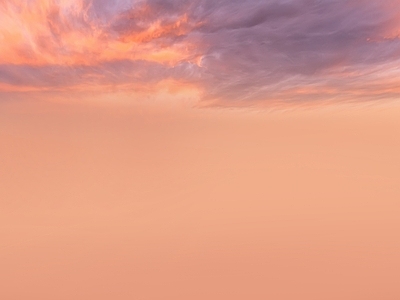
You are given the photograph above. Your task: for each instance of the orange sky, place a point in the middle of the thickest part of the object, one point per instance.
(100, 201)
(199, 149)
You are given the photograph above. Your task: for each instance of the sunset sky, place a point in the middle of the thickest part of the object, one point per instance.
(199, 150)
(229, 53)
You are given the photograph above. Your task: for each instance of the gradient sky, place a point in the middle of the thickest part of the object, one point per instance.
(115, 185)
(225, 52)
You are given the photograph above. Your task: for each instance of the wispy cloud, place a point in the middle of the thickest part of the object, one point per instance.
(233, 52)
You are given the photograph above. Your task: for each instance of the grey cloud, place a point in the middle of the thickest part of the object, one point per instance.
(252, 46)
(307, 39)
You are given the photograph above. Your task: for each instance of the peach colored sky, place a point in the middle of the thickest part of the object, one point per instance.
(106, 201)
(199, 149)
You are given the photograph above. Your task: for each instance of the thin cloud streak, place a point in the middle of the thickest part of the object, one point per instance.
(232, 52)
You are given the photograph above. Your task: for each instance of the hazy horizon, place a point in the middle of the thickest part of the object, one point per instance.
(109, 201)
(199, 149)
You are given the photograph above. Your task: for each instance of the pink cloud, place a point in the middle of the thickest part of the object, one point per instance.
(233, 52)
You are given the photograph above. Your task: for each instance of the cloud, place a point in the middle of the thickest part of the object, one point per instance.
(235, 52)
(307, 43)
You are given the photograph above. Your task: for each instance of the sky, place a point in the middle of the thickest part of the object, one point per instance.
(114, 202)
(218, 53)
(199, 149)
